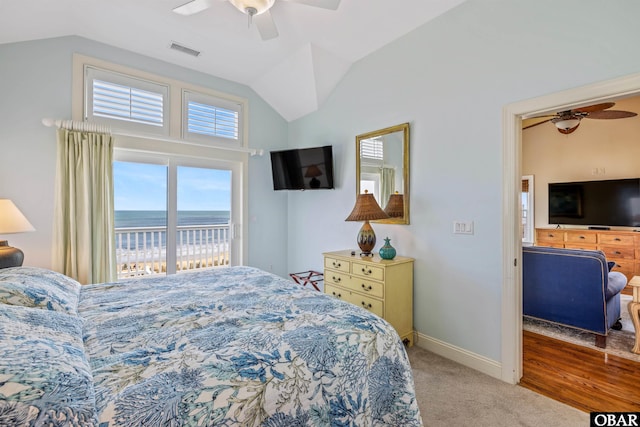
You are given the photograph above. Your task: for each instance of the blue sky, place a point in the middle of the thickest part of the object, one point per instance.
(142, 186)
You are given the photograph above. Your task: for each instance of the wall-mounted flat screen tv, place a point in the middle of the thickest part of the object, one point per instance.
(302, 168)
(613, 202)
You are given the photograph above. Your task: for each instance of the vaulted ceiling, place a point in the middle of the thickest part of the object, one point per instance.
(294, 72)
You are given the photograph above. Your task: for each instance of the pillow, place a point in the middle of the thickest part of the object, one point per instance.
(40, 288)
(615, 283)
(45, 375)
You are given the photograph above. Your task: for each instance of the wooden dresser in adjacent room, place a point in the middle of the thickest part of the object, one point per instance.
(623, 247)
(384, 287)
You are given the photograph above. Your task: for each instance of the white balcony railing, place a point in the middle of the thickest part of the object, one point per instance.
(142, 250)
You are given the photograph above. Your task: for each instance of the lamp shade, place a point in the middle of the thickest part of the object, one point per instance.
(366, 209)
(395, 206)
(11, 219)
(312, 171)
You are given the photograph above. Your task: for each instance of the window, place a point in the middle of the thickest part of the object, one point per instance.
(125, 102)
(371, 183)
(526, 201)
(147, 112)
(210, 119)
(372, 148)
(174, 214)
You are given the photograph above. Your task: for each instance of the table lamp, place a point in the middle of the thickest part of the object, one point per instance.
(395, 206)
(313, 172)
(11, 221)
(366, 209)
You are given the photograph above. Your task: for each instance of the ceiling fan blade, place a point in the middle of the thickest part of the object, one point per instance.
(194, 6)
(611, 114)
(535, 121)
(596, 107)
(266, 25)
(324, 4)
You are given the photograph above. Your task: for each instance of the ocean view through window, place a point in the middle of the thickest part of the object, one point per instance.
(200, 222)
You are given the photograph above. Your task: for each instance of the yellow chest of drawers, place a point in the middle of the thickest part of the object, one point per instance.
(384, 287)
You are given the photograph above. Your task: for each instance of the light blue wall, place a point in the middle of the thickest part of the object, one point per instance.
(35, 82)
(450, 79)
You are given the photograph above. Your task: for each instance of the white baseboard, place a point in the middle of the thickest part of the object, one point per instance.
(460, 355)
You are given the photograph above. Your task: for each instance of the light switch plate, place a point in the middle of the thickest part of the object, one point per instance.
(462, 227)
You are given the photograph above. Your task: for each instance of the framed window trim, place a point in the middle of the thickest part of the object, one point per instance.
(217, 103)
(92, 73)
(174, 144)
(238, 229)
(174, 104)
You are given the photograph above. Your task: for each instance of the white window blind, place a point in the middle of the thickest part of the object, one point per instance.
(372, 148)
(210, 119)
(126, 102)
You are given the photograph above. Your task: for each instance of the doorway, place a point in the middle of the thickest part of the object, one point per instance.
(176, 214)
(512, 180)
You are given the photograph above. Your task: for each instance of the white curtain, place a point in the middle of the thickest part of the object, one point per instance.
(387, 185)
(83, 240)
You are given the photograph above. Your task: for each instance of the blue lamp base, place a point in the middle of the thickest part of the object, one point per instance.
(10, 256)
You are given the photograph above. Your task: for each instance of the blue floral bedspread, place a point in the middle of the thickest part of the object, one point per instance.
(240, 346)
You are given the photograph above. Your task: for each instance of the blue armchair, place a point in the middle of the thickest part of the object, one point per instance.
(572, 288)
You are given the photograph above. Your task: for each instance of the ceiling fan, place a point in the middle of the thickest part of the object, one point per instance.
(257, 10)
(569, 120)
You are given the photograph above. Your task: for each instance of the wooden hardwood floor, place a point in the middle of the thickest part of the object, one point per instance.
(581, 377)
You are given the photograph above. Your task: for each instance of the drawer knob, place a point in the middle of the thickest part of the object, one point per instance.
(582, 237)
(365, 271)
(617, 252)
(336, 264)
(336, 279)
(550, 235)
(336, 295)
(366, 288)
(617, 239)
(365, 305)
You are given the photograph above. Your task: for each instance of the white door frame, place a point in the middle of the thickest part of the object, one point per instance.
(512, 116)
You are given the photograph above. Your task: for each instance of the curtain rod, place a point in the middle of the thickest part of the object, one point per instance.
(94, 127)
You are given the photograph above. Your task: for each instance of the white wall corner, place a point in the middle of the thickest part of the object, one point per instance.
(289, 86)
(300, 83)
(328, 70)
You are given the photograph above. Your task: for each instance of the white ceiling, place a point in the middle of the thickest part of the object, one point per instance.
(294, 72)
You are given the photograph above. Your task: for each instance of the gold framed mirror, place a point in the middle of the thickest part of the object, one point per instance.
(382, 168)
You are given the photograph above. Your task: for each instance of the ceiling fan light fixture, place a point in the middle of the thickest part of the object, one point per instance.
(252, 7)
(565, 124)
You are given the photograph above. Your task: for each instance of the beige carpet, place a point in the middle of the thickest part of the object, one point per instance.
(619, 343)
(450, 394)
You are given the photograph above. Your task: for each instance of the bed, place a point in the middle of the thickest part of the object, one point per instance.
(234, 346)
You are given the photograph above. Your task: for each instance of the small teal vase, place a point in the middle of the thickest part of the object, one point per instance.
(387, 251)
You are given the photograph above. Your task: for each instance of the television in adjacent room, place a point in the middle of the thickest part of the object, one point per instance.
(607, 203)
(303, 168)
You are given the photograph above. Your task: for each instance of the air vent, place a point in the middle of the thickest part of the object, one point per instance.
(184, 49)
